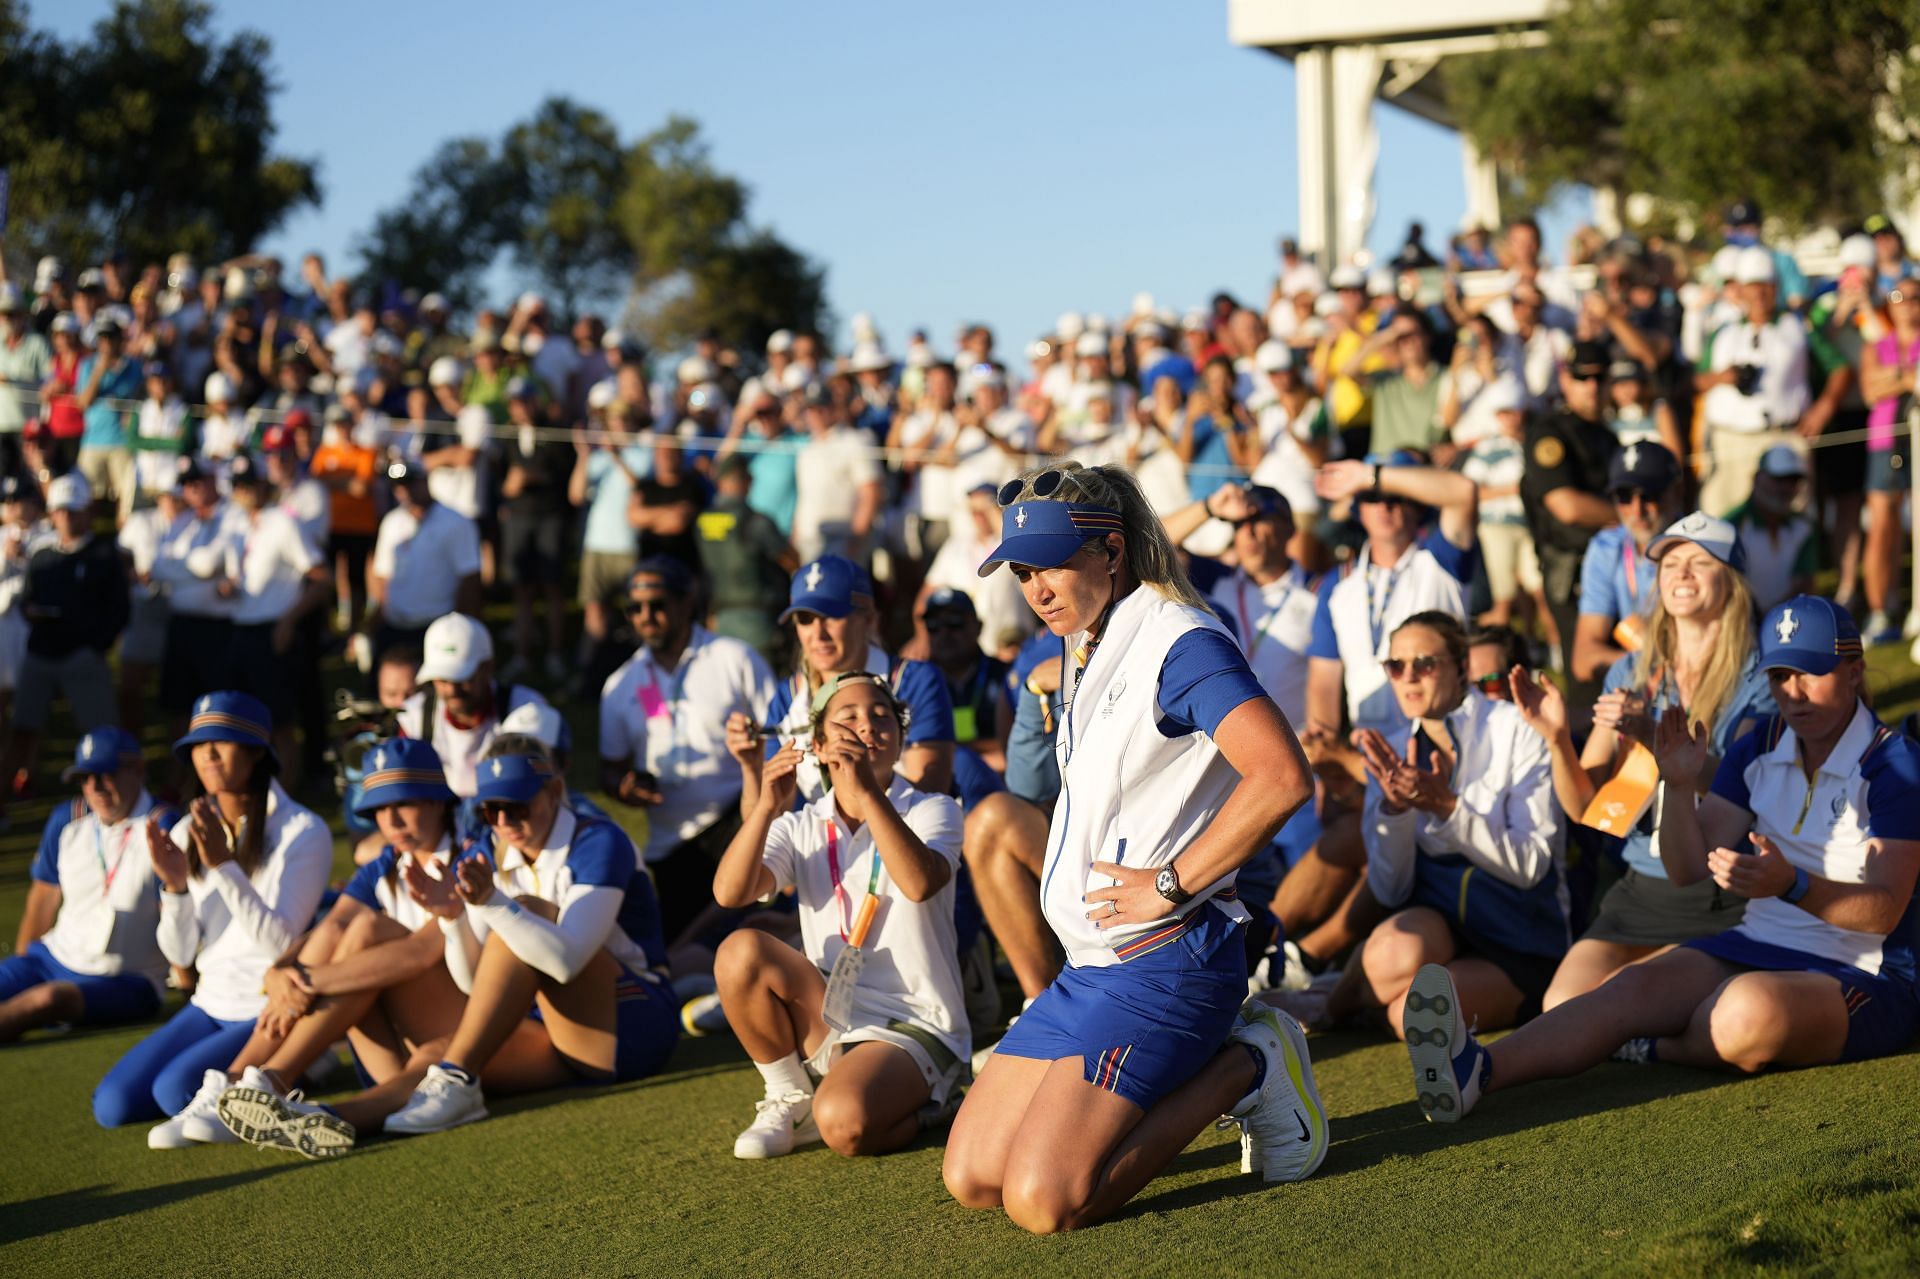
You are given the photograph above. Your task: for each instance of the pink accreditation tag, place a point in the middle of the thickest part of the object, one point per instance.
(653, 703)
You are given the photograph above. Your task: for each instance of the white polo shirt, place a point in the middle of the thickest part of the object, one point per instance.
(1275, 624)
(422, 561)
(1358, 613)
(271, 563)
(673, 724)
(459, 748)
(1780, 351)
(912, 973)
(233, 927)
(1868, 790)
(109, 897)
(194, 556)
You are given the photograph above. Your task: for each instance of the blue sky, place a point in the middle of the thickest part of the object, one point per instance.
(994, 161)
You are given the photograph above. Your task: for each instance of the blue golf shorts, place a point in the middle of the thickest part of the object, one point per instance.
(1882, 1012)
(122, 997)
(1144, 1027)
(646, 1025)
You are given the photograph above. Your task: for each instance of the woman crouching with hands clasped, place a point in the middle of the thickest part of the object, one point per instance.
(872, 863)
(1463, 840)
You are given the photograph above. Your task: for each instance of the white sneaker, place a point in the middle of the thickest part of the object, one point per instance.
(173, 1134)
(703, 1015)
(1449, 1066)
(208, 1127)
(441, 1101)
(261, 1116)
(779, 1124)
(1283, 1125)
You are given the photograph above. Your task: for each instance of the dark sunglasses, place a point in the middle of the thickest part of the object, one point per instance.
(1492, 682)
(496, 811)
(1382, 499)
(1045, 484)
(1648, 497)
(1578, 376)
(1397, 668)
(636, 607)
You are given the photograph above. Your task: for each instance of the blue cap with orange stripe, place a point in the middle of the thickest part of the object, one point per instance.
(1043, 534)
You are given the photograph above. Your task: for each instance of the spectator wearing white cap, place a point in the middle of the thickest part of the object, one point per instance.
(923, 440)
(1497, 463)
(160, 436)
(25, 362)
(144, 643)
(1782, 543)
(459, 706)
(779, 356)
(1754, 381)
(426, 563)
(109, 384)
(76, 606)
(223, 430)
(994, 438)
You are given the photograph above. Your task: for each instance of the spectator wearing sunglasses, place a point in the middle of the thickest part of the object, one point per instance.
(1464, 842)
(1492, 653)
(1616, 577)
(1562, 488)
(663, 725)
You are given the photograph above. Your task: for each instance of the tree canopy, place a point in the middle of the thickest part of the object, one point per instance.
(652, 226)
(1808, 106)
(152, 135)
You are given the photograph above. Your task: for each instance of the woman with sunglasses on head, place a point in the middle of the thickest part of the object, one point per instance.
(552, 914)
(1463, 842)
(872, 864)
(1699, 656)
(240, 877)
(371, 971)
(838, 629)
(1814, 818)
(1176, 769)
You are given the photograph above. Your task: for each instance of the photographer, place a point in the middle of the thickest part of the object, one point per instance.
(1755, 385)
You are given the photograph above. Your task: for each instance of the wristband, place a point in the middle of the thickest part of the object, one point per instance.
(1801, 883)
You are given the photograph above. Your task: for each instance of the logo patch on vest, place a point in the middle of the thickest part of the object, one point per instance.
(1112, 699)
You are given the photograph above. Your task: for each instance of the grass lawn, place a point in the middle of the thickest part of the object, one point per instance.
(1658, 1171)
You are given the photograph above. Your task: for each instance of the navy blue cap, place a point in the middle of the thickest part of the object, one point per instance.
(103, 750)
(228, 716)
(949, 601)
(156, 368)
(827, 587)
(399, 770)
(1810, 634)
(514, 779)
(1643, 465)
(1043, 534)
(673, 574)
(1267, 501)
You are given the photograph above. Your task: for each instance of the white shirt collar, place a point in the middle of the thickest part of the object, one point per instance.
(559, 840)
(1844, 758)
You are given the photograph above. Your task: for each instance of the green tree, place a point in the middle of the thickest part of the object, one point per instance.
(152, 135)
(1806, 105)
(567, 168)
(449, 228)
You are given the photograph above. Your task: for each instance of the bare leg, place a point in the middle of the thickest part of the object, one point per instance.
(867, 1104)
(1587, 964)
(580, 1016)
(975, 1165)
(1658, 997)
(1847, 531)
(1005, 845)
(37, 1006)
(771, 994)
(1880, 562)
(503, 989)
(1756, 1020)
(1311, 892)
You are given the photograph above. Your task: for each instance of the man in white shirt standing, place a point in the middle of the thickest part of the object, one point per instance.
(193, 566)
(279, 578)
(663, 736)
(426, 563)
(1755, 385)
(837, 489)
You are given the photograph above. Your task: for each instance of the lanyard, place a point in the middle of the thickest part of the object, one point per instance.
(840, 897)
(1252, 633)
(1377, 614)
(100, 854)
(1631, 561)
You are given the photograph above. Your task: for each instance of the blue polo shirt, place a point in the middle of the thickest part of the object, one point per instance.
(1616, 579)
(106, 426)
(776, 487)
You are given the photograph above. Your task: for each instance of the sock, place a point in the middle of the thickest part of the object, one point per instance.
(1313, 966)
(1259, 1066)
(457, 1072)
(788, 1075)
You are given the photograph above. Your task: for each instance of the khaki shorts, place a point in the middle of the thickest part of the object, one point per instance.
(1512, 566)
(938, 1066)
(604, 574)
(109, 473)
(1645, 910)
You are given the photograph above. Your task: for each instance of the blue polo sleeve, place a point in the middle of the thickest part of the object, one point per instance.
(1892, 770)
(1324, 642)
(1596, 577)
(925, 693)
(1619, 675)
(1204, 678)
(1730, 782)
(777, 713)
(367, 879)
(602, 856)
(46, 862)
(1456, 560)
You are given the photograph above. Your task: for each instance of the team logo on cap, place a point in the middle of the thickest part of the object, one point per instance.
(1632, 457)
(1787, 627)
(1020, 516)
(813, 578)
(496, 768)
(1694, 523)
(379, 760)
(86, 744)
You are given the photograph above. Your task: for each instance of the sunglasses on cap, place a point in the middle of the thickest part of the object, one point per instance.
(1399, 668)
(1045, 484)
(498, 810)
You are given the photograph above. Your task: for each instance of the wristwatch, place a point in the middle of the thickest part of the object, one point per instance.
(1167, 884)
